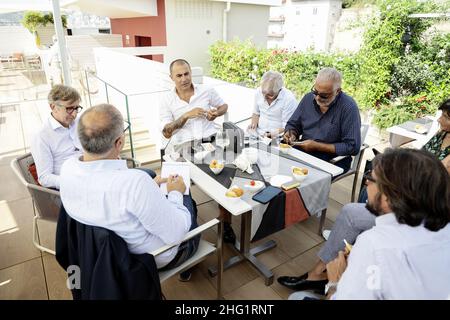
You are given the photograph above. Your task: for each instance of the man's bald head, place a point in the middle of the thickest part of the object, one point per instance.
(178, 62)
(99, 128)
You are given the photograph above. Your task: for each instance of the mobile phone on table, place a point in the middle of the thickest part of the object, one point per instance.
(266, 194)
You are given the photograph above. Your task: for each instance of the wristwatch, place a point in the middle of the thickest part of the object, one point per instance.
(330, 285)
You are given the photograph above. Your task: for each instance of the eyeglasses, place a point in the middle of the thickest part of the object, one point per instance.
(368, 176)
(70, 110)
(323, 96)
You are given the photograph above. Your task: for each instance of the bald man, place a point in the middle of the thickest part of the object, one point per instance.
(188, 111)
(98, 189)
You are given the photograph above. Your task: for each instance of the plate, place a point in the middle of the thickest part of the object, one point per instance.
(420, 129)
(258, 186)
(278, 180)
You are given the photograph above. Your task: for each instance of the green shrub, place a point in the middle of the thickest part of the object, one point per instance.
(33, 19)
(400, 80)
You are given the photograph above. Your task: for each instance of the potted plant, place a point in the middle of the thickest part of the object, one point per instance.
(32, 20)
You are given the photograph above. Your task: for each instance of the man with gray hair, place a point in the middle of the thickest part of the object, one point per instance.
(99, 190)
(274, 105)
(326, 121)
(57, 140)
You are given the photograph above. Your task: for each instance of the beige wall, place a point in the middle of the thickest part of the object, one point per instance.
(192, 26)
(248, 21)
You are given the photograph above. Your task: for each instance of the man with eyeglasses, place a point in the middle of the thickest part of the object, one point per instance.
(326, 121)
(274, 105)
(57, 140)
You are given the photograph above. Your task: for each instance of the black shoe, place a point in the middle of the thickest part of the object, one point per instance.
(228, 234)
(300, 283)
(185, 276)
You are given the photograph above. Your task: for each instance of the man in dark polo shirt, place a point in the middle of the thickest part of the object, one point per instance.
(327, 121)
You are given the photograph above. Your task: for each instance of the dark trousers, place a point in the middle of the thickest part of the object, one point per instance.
(189, 247)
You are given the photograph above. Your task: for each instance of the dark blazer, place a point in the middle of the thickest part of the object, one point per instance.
(107, 269)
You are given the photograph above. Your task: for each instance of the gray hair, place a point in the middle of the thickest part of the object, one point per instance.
(272, 81)
(60, 92)
(99, 137)
(330, 74)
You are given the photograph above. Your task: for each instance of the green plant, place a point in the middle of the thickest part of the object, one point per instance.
(411, 75)
(33, 19)
(400, 80)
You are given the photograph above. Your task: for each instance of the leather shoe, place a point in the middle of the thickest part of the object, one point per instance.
(301, 283)
(228, 234)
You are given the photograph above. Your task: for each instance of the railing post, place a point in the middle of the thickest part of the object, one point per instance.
(129, 127)
(106, 90)
(87, 86)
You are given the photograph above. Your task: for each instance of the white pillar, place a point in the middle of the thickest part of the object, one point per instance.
(61, 43)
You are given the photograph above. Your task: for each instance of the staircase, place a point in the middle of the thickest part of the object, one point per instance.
(145, 150)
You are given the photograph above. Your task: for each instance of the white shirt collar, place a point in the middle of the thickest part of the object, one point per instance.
(386, 219)
(54, 124)
(102, 165)
(195, 86)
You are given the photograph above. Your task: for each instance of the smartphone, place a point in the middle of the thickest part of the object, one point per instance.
(266, 194)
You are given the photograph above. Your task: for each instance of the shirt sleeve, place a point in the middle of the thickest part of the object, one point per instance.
(166, 218)
(362, 278)
(288, 108)
(165, 114)
(256, 105)
(43, 159)
(294, 122)
(214, 99)
(351, 132)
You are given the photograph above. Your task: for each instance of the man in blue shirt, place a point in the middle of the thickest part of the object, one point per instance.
(327, 121)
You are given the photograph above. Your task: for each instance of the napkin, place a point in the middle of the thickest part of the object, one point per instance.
(242, 163)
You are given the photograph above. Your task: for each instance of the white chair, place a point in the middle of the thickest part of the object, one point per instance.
(205, 248)
(46, 202)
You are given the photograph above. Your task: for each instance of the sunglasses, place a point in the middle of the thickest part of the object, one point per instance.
(368, 176)
(322, 95)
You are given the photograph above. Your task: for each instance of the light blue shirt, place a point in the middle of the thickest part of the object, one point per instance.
(396, 261)
(51, 146)
(105, 193)
(276, 115)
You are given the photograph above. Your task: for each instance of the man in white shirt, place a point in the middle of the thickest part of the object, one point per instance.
(57, 140)
(406, 254)
(188, 112)
(99, 190)
(274, 105)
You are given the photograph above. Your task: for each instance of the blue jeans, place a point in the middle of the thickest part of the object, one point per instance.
(189, 247)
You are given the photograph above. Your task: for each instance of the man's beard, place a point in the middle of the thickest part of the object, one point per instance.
(375, 208)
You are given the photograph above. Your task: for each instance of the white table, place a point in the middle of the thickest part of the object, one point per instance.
(399, 135)
(245, 207)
